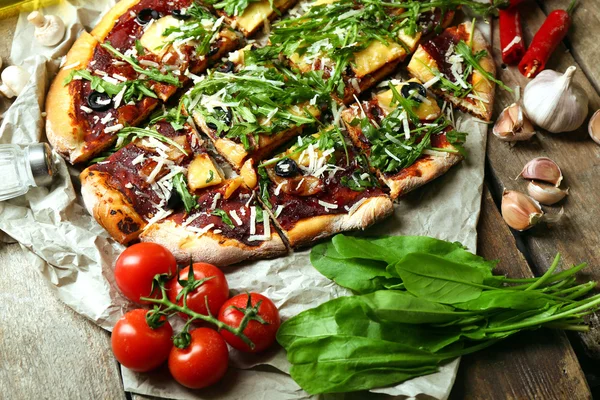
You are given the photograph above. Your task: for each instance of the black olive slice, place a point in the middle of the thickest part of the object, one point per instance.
(224, 115)
(175, 200)
(410, 86)
(213, 50)
(99, 101)
(226, 67)
(286, 168)
(146, 15)
(179, 15)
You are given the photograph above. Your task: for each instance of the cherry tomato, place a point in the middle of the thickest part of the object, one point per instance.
(203, 362)
(262, 335)
(136, 267)
(216, 289)
(139, 347)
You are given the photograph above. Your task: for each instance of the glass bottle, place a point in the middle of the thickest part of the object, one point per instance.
(24, 167)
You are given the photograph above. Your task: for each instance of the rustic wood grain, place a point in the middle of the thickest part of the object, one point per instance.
(47, 351)
(531, 365)
(583, 36)
(577, 236)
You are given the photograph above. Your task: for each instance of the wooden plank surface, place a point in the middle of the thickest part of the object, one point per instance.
(530, 365)
(577, 236)
(47, 351)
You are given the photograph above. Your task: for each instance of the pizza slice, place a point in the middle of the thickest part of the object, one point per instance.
(458, 66)
(405, 136)
(253, 108)
(117, 75)
(227, 226)
(319, 186)
(353, 44)
(144, 180)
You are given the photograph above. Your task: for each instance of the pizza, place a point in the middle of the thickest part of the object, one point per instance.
(223, 149)
(136, 58)
(405, 136)
(354, 47)
(251, 108)
(458, 66)
(319, 186)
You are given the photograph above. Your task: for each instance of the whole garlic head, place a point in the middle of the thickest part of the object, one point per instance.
(554, 102)
(14, 79)
(49, 30)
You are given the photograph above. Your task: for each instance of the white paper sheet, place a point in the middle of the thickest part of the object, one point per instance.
(76, 255)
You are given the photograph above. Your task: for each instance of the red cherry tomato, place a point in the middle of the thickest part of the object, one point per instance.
(136, 267)
(139, 347)
(203, 362)
(216, 289)
(262, 335)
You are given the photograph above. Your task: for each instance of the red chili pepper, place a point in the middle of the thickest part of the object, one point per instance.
(511, 36)
(546, 40)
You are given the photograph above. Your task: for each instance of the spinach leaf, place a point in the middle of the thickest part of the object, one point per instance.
(359, 275)
(438, 279)
(515, 300)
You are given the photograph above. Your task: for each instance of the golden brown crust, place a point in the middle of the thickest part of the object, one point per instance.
(483, 88)
(64, 133)
(210, 247)
(110, 207)
(103, 28)
(309, 230)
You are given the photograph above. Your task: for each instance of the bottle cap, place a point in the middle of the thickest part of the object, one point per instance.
(41, 163)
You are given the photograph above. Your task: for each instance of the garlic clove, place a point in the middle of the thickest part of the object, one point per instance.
(520, 211)
(546, 194)
(49, 30)
(555, 102)
(594, 127)
(14, 80)
(513, 125)
(542, 169)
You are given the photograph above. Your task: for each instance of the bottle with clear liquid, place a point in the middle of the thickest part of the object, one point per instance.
(24, 167)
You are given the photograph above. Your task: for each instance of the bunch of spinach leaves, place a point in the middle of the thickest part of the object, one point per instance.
(419, 302)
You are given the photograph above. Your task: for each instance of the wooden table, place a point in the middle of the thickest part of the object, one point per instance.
(49, 351)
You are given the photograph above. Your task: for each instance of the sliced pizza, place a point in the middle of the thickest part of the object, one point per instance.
(354, 44)
(226, 226)
(135, 57)
(457, 65)
(145, 180)
(406, 137)
(250, 109)
(320, 186)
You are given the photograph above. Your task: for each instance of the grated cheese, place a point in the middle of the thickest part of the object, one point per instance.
(235, 217)
(356, 206)
(278, 210)
(389, 153)
(139, 159)
(114, 128)
(215, 201)
(86, 109)
(327, 205)
(252, 220)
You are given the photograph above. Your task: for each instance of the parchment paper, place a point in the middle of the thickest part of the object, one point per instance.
(76, 255)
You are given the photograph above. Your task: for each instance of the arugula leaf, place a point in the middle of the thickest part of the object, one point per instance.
(235, 7)
(96, 83)
(152, 73)
(194, 29)
(139, 47)
(126, 133)
(180, 185)
(473, 59)
(224, 217)
(263, 185)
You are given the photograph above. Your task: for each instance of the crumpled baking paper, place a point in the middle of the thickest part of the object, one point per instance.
(76, 255)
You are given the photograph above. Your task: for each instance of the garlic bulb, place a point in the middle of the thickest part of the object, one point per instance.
(546, 194)
(542, 169)
(554, 102)
(594, 127)
(512, 125)
(520, 211)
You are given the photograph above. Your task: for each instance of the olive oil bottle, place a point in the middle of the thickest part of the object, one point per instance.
(8, 8)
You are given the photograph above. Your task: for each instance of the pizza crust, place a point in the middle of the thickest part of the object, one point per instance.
(62, 130)
(210, 247)
(484, 89)
(110, 207)
(309, 230)
(106, 24)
